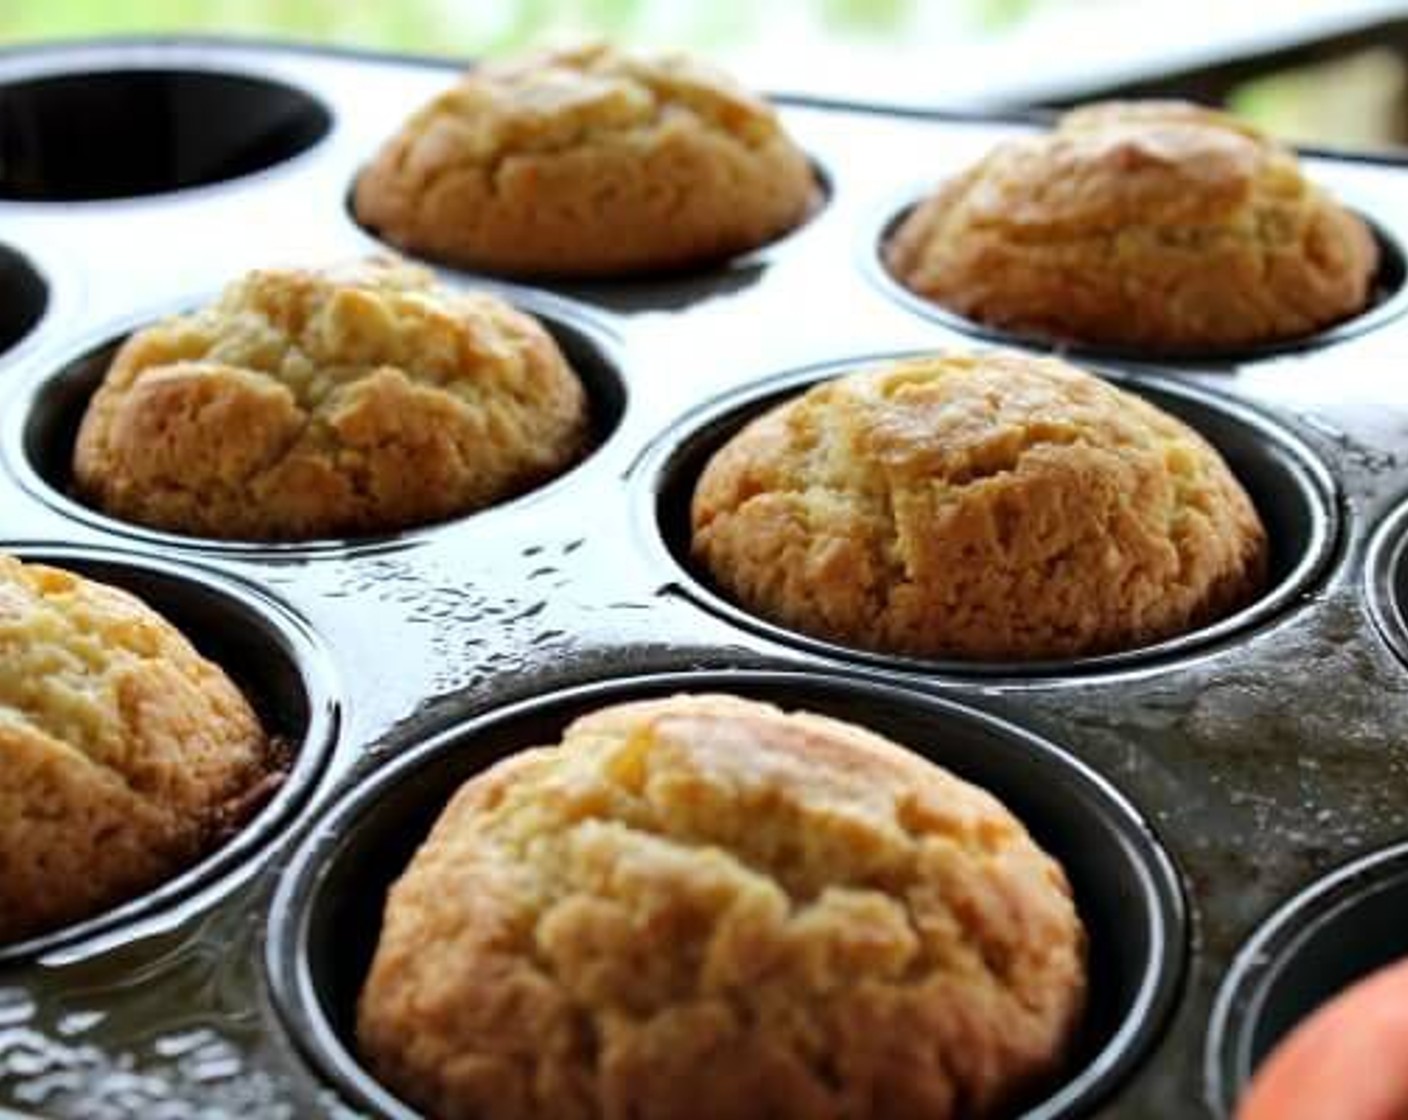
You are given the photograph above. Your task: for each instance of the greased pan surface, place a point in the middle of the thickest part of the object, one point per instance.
(1262, 756)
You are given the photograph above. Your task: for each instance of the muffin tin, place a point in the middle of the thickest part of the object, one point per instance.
(1123, 881)
(1204, 792)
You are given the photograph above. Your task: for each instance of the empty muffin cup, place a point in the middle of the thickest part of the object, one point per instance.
(115, 134)
(1290, 488)
(42, 440)
(274, 662)
(1388, 298)
(1338, 931)
(23, 297)
(326, 916)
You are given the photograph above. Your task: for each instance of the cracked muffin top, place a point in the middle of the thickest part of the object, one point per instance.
(350, 400)
(124, 754)
(588, 161)
(702, 907)
(990, 506)
(1157, 225)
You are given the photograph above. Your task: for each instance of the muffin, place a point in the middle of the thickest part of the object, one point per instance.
(1157, 225)
(588, 162)
(124, 754)
(703, 907)
(351, 400)
(988, 506)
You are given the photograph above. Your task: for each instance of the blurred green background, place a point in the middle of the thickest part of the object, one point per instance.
(477, 26)
(932, 52)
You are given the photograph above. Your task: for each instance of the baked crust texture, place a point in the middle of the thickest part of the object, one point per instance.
(988, 506)
(588, 162)
(701, 907)
(346, 401)
(124, 754)
(1153, 225)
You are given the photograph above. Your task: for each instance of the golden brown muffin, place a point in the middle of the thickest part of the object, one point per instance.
(702, 907)
(123, 753)
(1158, 224)
(989, 506)
(588, 162)
(358, 399)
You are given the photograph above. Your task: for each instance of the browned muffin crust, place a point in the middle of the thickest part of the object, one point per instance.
(123, 753)
(988, 506)
(589, 162)
(702, 907)
(1158, 225)
(352, 400)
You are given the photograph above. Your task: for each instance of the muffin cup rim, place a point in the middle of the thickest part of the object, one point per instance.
(301, 1011)
(1228, 1061)
(310, 755)
(1389, 238)
(656, 466)
(553, 311)
(1386, 554)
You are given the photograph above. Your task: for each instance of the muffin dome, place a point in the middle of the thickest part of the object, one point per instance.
(124, 754)
(1158, 225)
(703, 907)
(989, 506)
(358, 399)
(588, 162)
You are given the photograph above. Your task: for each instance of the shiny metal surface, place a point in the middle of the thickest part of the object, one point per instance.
(1263, 759)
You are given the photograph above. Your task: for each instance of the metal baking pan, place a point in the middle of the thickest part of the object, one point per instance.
(1232, 804)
